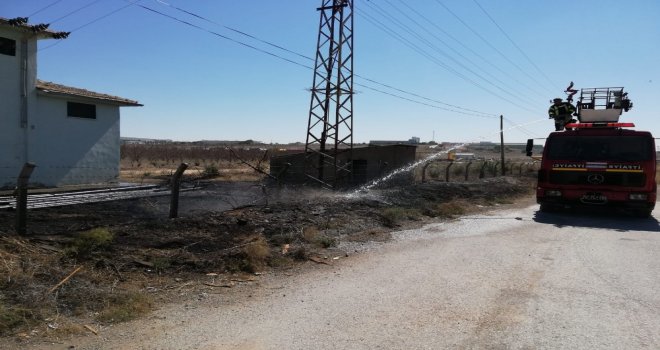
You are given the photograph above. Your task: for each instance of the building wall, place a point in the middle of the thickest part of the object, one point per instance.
(13, 142)
(69, 150)
(369, 163)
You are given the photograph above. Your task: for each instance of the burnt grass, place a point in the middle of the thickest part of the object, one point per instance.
(133, 257)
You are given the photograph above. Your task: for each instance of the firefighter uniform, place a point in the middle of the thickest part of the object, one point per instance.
(561, 112)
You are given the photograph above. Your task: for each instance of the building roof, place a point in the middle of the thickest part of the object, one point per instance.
(41, 31)
(48, 88)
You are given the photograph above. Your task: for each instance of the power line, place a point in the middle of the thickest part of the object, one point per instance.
(476, 54)
(464, 111)
(436, 37)
(311, 59)
(414, 47)
(435, 48)
(514, 44)
(92, 22)
(464, 46)
(426, 104)
(488, 43)
(74, 11)
(44, 8)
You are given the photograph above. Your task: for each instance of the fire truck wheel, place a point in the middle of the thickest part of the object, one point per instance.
(547, 208)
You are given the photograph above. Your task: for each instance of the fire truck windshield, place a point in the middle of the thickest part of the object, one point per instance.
(600, 148)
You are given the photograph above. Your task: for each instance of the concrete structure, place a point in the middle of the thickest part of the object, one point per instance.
(71, 134)
(367, 163)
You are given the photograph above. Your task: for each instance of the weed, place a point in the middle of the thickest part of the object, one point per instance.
(256, 255)
(161, 263)
(310, 234)
(300, 254)
(87, 242)
(211, 170)
(393, 216)
(13, 317)
(449, 209)
(124, 306)
(325, 241)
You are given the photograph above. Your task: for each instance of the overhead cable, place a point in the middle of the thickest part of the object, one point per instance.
(514, 44)
(409, 30)
(490, 45)
(44, 8)
(422, 52)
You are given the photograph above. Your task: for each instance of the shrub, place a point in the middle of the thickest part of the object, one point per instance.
(211, 170)
(449, 209)
(256, 255)
(90, 241)
(124, 306)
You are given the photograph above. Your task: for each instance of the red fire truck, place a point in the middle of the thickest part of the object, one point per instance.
(598, 161)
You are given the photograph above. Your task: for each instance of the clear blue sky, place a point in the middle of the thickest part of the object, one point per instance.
(195, 85)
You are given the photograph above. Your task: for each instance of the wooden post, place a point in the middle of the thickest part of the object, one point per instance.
(176, 183)
(502, 143)
(447, 171)
(467, 169)
(21, 198)
(482, 171)
(424, 171)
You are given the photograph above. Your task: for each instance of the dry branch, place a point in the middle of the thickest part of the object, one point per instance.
(252, 166)
(65, 279)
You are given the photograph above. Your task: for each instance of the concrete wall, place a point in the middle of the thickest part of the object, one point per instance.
(69, 150)
(13, 142)
(369, 163)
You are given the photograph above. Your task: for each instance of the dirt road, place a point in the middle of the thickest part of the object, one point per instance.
(512, 279)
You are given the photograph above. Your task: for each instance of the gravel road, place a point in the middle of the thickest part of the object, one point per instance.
(507, 279)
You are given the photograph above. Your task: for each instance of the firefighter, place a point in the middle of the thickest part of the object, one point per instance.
(561, 112)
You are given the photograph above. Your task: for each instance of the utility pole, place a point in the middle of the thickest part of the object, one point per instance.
(502, 144)
(329, 143)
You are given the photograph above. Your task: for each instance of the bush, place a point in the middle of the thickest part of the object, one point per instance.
(90, 241)
(211, 170)
(393, 216)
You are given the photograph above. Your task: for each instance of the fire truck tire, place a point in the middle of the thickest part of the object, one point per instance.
(547, 208)
(643, 213)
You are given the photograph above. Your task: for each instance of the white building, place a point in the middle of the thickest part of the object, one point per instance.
(70, 134)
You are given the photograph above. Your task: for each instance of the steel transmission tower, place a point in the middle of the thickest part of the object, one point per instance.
(330, 128)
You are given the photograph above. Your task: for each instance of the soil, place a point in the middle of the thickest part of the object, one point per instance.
(133, 258)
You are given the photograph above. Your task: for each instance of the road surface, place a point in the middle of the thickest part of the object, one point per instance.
(508, 279)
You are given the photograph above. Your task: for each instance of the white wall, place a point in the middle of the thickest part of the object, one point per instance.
(70, 150)
(12, 137)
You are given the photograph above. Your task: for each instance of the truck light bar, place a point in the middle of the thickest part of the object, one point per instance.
(600, 125)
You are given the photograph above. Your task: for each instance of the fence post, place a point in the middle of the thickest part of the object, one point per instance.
(520, 170)
(176, 183)
(424, 171)
(495, 168)
(482, 171)
(467, 169)
(21, 198)
(447, 171)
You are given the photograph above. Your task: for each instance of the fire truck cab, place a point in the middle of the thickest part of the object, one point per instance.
(598, 161)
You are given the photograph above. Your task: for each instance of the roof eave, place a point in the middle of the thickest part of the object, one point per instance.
(46, 92)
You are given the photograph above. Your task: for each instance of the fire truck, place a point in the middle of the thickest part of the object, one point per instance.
(598, 161)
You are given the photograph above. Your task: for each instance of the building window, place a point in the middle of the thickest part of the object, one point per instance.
(81, 110)
(7, 47)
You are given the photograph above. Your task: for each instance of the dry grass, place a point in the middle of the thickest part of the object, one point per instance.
(124, 306)
(393, 216)
(257, 253)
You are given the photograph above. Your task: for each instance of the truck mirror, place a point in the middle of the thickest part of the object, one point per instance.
(530, 146)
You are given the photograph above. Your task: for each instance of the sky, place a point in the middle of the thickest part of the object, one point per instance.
(454, 66)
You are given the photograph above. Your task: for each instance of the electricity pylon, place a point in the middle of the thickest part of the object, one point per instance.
(330, 128)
